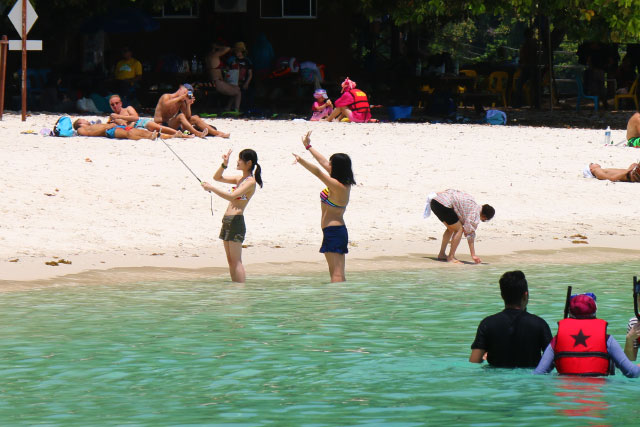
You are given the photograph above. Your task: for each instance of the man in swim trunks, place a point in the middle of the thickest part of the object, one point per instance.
(630, 174)
(128, 116)
(174, 110)
(633, 131)
(461, 215)
(511, 338)
(112, 130)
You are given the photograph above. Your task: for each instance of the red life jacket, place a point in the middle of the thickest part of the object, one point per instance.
(360, 101)
(581, 347)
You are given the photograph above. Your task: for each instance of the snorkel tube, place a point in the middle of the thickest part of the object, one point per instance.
(636, 291)
(566, 302)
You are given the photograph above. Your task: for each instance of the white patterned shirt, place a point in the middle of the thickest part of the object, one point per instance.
(465, 207)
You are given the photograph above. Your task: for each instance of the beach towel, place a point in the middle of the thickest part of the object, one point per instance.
(586, 172)
(427, 208)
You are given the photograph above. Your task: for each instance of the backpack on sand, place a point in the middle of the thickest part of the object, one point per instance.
(63, 127)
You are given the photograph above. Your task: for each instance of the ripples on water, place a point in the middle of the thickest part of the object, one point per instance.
(387, 348)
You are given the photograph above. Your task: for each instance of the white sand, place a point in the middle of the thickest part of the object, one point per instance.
(135, 199)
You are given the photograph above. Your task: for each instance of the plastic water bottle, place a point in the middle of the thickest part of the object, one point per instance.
(607, 136)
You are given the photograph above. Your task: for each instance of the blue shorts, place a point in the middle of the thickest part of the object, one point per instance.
(142, 123)
(111, 133)
(335, 239)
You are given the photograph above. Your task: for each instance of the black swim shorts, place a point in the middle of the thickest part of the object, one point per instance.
(444, 214)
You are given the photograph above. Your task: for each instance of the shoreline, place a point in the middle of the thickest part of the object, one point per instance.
(107, 204)
(153, 268)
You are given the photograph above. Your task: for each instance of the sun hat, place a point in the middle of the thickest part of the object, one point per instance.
(583, 306)
(320, 93)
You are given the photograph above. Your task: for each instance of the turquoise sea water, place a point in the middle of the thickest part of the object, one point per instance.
(386, 348)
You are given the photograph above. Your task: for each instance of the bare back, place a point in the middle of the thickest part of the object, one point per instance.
(165, 109)
(633, 126)
(334, 215)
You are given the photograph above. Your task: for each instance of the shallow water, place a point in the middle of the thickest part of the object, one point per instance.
(387, 348)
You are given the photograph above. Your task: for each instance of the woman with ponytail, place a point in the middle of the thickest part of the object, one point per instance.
(233, 228)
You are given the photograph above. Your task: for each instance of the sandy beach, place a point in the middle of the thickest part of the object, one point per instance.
(115, 204)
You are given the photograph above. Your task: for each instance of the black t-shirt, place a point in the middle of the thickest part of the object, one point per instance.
(513, 338)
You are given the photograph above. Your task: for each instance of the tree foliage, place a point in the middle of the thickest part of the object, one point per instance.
(605, 20)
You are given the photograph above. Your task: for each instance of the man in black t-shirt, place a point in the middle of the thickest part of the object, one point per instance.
(512, 338)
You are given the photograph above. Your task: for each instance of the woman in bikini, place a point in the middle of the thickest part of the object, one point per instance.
(214, 67)
(333, 201)
(233, 227)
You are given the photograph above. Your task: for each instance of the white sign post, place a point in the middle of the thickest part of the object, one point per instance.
(23, 16)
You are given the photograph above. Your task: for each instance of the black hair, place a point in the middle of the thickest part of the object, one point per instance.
(488, 211)
(513, 285)
(341, 168)
(248, 154)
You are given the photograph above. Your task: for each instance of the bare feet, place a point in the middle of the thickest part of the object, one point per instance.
(223, 135)
(204, 133)
(454, 260)
(154, 135)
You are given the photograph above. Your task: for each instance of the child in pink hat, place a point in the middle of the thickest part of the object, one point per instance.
(322, 107)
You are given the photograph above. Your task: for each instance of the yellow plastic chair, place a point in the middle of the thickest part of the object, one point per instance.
(471, 73)
(498, 81)
(632, 94)
(526, 89)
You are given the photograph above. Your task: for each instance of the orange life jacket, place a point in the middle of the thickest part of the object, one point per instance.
(581, 347)
(360, 101)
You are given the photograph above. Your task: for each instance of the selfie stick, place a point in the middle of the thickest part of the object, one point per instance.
(193, 173)
(165, 143)
(636, 291)
(566, 302)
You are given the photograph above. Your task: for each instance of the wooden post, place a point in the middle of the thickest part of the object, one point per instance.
(24, 60)
(4, 47)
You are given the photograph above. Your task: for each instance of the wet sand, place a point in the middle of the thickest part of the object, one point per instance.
(130, 209)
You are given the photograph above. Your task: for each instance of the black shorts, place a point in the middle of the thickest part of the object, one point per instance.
(444, 214)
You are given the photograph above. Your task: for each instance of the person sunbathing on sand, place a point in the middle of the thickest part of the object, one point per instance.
(111, 130)
(128, 116)
(630, 174)
(174, 110)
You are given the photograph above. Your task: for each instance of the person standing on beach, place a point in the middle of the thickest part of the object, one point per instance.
(511, 338)
(333, 202)
(233, 226)
(461, 215)
(174, 110)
